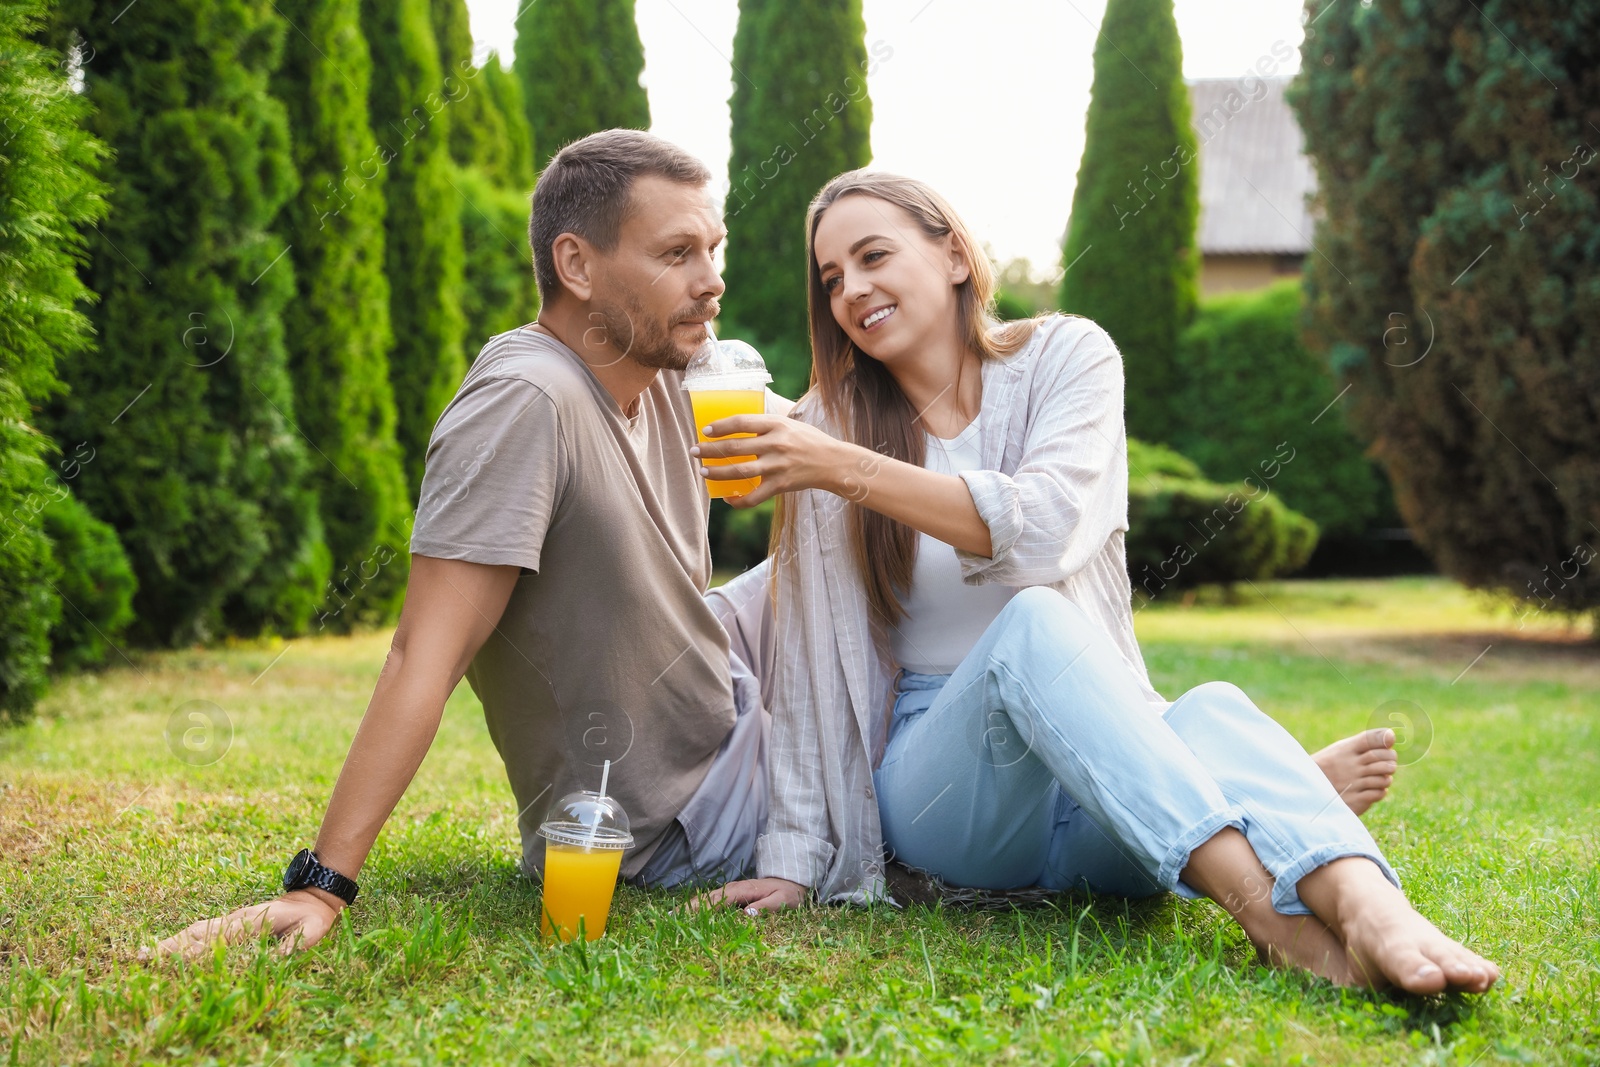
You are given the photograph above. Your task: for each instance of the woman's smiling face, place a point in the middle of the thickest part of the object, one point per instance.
(890, 286)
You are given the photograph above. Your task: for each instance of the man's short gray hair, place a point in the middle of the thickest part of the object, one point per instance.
(587, 190)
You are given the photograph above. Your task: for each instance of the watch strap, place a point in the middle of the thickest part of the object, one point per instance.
(313, 875)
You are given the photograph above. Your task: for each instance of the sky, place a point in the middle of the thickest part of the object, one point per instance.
(983, 99)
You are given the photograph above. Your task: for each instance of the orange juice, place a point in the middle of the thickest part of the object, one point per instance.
(713, 404)
(578, 883)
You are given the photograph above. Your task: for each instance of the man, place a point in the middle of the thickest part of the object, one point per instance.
(560, 559)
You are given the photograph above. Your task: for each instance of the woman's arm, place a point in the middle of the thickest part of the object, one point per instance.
(1035, 526)
(1053, 515)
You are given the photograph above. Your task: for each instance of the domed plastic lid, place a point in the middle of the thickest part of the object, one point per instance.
(726, 365)
(587, 820)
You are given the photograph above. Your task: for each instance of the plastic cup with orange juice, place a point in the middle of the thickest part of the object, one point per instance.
(726, 378)
(585, 836)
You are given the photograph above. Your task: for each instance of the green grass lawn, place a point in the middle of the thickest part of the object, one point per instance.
(109, 841)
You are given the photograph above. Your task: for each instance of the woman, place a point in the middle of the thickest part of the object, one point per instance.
(958, 500)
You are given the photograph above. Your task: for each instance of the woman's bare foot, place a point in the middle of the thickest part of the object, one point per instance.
(1388, 941)
(1360, 767)
(1226, 869)
(1302, 941)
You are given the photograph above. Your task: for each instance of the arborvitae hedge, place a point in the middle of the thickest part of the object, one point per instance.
(47, 188)
(423, 253)
(473, 122)
(500, 294)
(499, 290)
(489, 125)
(579, 62)
(1457, 285)
(503, 86)
(338, 322)
(1131, 256)
(801, 115)
(96, 583)
(188, 405)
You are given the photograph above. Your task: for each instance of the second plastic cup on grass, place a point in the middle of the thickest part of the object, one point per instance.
(585, 836)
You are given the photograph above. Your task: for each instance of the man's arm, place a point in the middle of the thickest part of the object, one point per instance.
(451, 607)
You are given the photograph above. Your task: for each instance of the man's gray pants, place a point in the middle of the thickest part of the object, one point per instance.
(713, 839)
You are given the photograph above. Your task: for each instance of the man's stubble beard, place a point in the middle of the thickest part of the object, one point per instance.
(641, 338)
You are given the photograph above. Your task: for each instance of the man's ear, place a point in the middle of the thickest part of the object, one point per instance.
(960, 265)
(574, 263)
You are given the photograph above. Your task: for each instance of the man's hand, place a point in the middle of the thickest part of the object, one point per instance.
(298, 920)
(451, 608)
(755, 895)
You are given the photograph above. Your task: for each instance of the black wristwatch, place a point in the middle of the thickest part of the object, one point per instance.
(306, 873)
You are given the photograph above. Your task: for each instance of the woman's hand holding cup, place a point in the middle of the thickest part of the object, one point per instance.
(788, 456)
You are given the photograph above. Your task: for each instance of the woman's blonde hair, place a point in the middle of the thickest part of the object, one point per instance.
(861, 398)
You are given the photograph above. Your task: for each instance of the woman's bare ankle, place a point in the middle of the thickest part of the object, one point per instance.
(1349, 890)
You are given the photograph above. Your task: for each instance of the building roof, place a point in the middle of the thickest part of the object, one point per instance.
(1254, 175)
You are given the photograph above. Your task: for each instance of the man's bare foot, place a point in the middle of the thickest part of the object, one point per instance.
(1388, 941)
(1360, 767)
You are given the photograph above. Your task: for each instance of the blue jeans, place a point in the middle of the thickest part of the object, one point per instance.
(1038, 762)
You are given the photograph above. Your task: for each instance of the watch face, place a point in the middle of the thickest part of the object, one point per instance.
(297, 866)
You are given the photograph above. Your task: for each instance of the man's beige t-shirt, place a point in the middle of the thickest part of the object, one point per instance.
(607, 649)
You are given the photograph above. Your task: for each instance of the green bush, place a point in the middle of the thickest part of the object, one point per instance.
(739, 537)
(1145, 459)
(1132, 263)
(1249, 385)
(96, 585)
(29, 602)
(1186, 531)
(47, 189)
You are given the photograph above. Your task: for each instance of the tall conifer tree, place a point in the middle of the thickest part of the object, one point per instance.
(188, 404)
(1131, 257)
(423, 253)
(801, 115)
(502, 83)
(499, 290)
(47, 188)
(1456, 283)
(579, 62)
(338, 322)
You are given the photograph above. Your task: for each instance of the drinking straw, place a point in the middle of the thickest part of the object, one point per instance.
(594, 826)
